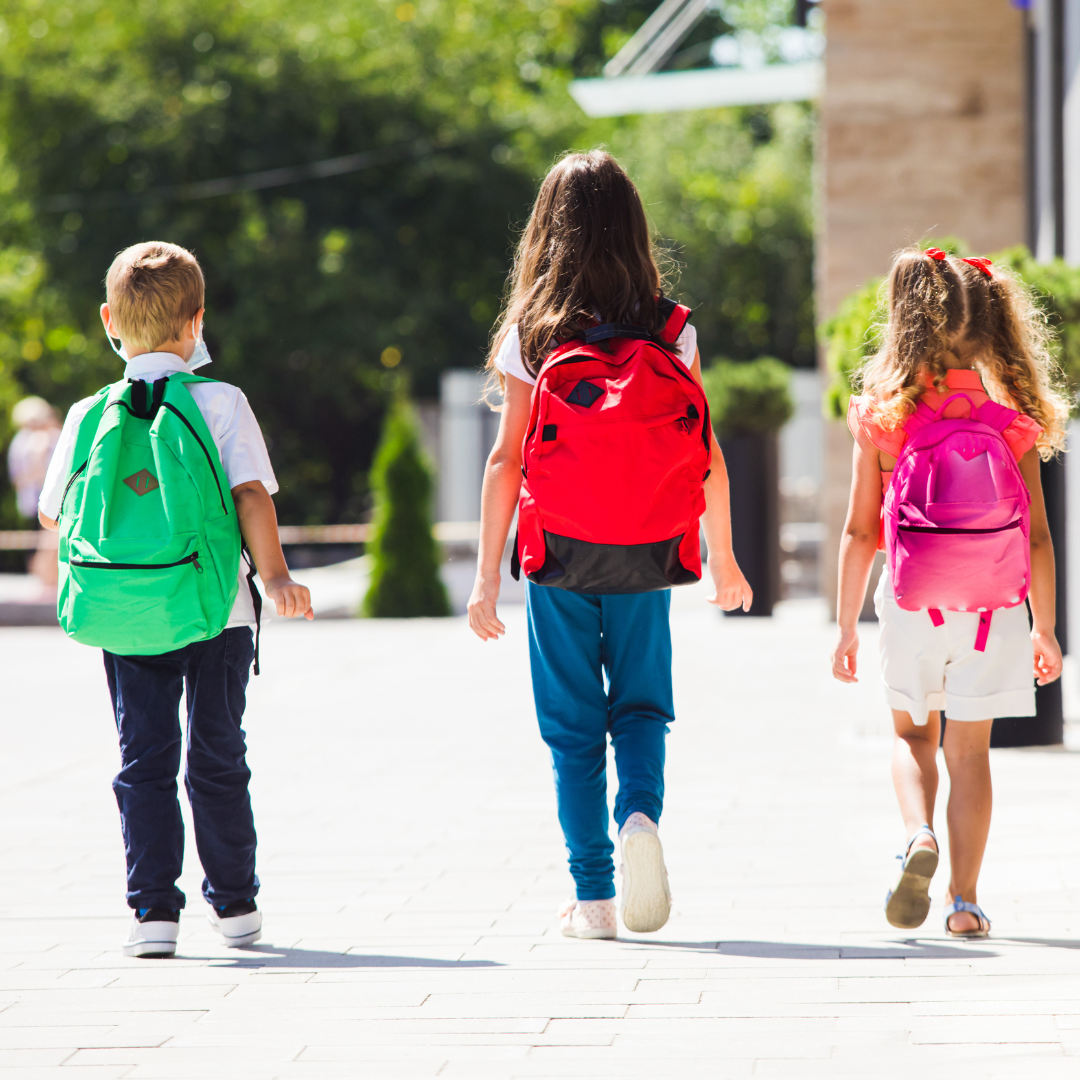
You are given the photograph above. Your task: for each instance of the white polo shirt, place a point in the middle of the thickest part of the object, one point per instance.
(234, 429)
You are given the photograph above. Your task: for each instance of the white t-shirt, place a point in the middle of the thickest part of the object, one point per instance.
(508, 358)
(234, 429)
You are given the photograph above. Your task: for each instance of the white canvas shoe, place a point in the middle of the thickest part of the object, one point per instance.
(153, 934)
(239, 923)
(588, 919)
(646, 899)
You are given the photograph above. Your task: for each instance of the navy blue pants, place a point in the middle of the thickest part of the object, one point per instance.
(145, 693)
(575, 640)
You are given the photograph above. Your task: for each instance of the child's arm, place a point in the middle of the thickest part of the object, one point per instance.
(258, 526)
(857, 548)
(730, 588)
(1042, 596)
(502, 483)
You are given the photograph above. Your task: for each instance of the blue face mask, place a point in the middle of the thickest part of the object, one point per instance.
(199, 358)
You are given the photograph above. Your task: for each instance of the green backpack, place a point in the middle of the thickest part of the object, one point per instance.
(149, 541)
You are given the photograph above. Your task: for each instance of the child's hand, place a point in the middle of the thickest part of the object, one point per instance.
(483, 621)
(843, 657)
(291, 599)
(730, 589)
(1047, 656)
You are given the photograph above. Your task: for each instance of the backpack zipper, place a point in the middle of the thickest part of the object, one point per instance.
(202, 445)
(67, 487)
(209, 459)
(193, 558)
(680, 369)
(935, 529)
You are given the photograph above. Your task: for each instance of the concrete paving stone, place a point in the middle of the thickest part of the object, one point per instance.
(645, 1069)
(460, 911)
(23, 1015)
(43, 1038)
(62, 1072)
(984, 1029)
(236, 1070)
(436, 1056)
(39, 1057)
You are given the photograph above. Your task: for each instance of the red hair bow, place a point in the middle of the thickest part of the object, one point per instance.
(979, 264)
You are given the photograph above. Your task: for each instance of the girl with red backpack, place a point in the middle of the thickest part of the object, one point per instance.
(606, 450)
(958, 407)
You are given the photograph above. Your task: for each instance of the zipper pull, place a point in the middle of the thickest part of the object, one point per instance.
(195, 562)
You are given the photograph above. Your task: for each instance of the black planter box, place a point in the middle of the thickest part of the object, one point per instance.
(753, 466)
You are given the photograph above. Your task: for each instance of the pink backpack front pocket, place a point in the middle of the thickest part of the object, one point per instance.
(957, 516)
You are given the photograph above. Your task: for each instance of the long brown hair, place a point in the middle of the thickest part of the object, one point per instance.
(586, 252)
(933, 305)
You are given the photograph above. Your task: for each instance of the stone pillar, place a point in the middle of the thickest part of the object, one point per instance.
(922, 135)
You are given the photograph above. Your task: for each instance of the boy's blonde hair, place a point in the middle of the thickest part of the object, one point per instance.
(153, 289)
(934, 304)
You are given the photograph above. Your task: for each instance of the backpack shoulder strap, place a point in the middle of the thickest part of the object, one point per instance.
(922, 416)
(999, 417)
(676, 317)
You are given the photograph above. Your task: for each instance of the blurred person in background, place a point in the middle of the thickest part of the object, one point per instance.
(37, 431)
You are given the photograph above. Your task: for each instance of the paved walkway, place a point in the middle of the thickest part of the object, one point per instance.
(411, 866)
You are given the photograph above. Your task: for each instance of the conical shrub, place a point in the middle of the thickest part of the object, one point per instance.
(405, 580)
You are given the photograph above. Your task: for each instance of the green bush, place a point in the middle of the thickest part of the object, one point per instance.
(405, 580)
(754, 395)
(850, 335)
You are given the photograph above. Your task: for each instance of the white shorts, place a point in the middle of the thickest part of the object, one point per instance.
(926, 667)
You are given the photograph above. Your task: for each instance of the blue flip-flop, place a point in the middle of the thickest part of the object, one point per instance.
(960, 904)
(908, 902)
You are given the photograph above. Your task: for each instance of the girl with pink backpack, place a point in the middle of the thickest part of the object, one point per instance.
(958, 406)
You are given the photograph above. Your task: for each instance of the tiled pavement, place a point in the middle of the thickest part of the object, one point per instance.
(411, 865)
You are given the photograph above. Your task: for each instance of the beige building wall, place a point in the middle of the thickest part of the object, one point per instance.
(923, 134)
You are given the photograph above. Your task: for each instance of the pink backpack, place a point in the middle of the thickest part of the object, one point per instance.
(957, 516)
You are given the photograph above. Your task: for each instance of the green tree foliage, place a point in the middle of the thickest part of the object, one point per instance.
(748, 396)
(729, 192)
(851, 335)
(405, 580)
(113, 114)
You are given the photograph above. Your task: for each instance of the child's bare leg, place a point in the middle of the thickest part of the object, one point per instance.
(967, 757)
(914, 771)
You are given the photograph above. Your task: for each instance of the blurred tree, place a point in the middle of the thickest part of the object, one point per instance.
(112, 116)
(405, 580)
(730, 192)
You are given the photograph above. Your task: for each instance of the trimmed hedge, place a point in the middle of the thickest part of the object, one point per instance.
(405, 580)
(749, 396)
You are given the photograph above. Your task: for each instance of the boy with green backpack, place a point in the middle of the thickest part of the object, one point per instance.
(157, 483)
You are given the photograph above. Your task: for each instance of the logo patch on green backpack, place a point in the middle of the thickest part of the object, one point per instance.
(142, 482)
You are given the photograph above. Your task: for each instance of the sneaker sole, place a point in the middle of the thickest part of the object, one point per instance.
(150, 950)
(909, 904)
(240, 942)
(646, 901)
(591, 935)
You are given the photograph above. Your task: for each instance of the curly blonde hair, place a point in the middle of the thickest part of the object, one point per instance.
(933, 305)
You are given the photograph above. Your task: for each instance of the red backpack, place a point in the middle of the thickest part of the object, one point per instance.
(614, 462)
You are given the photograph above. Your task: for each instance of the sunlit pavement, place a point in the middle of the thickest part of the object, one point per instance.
(412, 864)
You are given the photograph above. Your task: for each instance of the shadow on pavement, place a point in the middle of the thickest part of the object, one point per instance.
(270, 956)
(1048, 943)
(909, 949)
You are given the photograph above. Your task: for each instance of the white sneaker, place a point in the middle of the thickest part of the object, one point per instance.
(153, 935)
(646, 899)
(588, 918)
(239, 923)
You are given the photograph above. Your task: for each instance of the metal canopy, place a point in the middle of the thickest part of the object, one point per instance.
(632, 84)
